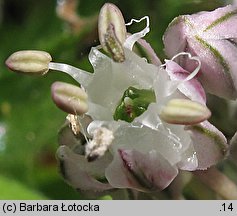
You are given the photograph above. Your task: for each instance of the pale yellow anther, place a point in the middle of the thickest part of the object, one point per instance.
(29, 62)
(184, 111)
(69, 98)
(111, 15)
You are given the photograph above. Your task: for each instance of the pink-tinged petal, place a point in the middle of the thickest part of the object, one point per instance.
(150, 52)
(81, 174)
(209, 143)
(233, 148)
(212, 36)
(191, 88)
(143, 172)
(217, 69)
(217, 24)
(175, 37)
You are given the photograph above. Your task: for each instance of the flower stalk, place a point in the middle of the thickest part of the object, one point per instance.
(218, 182)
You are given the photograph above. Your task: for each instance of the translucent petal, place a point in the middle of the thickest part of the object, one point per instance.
(209, 143)
(189, 159)
(81, 174)
(142, 171)
(132, 39)
(111, 79)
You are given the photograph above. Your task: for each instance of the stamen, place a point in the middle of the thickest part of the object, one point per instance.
(131, 40)
(79, 75)
(82, 129)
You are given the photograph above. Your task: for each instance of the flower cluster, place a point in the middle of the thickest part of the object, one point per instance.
(134, 124)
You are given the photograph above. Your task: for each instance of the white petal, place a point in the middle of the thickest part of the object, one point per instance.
(144, 172)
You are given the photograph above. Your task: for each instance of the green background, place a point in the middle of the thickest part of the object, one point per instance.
(29, 121)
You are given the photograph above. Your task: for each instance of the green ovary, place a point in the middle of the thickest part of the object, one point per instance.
(133, 103)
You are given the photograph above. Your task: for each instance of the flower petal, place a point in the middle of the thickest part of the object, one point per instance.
(191, 88)
(144, 172)
(209, 143)
(217, 24)
(218, 59)
(81, 174)
(167, 140)
(212, 37)
(189, 160)
(150, 52)
(111, 79)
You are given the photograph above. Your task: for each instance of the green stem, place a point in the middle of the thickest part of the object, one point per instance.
(218, 182)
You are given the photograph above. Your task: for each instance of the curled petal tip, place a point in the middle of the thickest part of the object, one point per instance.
(69, 98)
(30, 62)
(183, 111)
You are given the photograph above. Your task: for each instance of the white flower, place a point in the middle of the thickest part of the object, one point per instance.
(146, 153)
(140, 148)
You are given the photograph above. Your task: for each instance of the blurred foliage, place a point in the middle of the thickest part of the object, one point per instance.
(29, 121)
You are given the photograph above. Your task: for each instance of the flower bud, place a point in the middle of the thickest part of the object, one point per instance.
(69, 98)
(29, 62)
(212, 36)
(183, 111)
(112, 31)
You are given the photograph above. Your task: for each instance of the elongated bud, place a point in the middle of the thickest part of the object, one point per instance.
(183, 111)
(69, 98)
(29, 62)
(212, 37)
(112, 31)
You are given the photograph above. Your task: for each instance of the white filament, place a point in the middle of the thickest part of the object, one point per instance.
(132, 39)
(79, 75)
